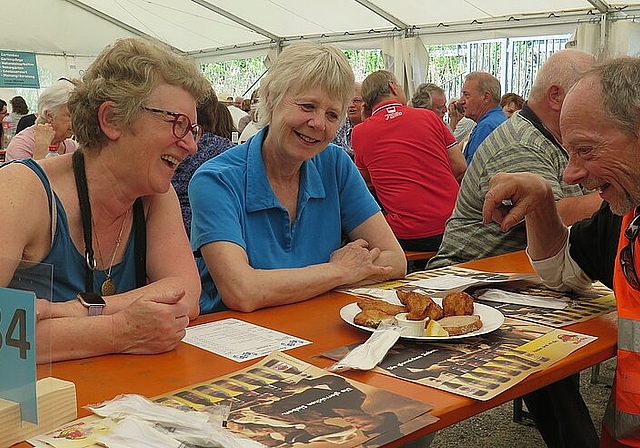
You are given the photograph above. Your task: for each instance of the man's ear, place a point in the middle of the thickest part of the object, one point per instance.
(554, 97)
(393, 87)
(106, 119)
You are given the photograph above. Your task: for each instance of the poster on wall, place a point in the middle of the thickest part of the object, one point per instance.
(18, 69)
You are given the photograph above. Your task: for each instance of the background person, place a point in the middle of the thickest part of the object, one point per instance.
(52, 128)
(25, 122)
(460, 125)
(269, 215)
(530, 141)
(228, 100)
(599, 127)
(354, 117)
(481, 102)
(19, 109)
(411, 158)
(511, 103)
(223, 123)
(3, 113)
(211, 144)
(430, 96)
(252, 127)
(110, 198)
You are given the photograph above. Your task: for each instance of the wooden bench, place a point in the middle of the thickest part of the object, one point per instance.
(417, 256)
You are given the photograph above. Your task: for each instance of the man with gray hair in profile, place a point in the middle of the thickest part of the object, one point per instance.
(528, 141)
(481, 94)
(431, 96)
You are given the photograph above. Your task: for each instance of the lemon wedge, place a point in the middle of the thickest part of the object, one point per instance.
(435, 329)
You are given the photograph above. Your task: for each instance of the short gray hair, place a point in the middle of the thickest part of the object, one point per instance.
(563, 69)
(487, 83)
(620, 92)
(54, 97)
(422, 96)
(375, 87)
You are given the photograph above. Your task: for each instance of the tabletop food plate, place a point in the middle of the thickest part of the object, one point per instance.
(491, 318)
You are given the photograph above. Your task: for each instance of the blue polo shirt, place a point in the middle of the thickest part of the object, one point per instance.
(232, 200)
(485, 126)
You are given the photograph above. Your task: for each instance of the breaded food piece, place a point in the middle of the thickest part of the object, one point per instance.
(419, 305)
(457, 304)
(366, 303)
(371, 317)
(457, 325)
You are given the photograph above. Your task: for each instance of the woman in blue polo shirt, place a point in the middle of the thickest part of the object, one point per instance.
(269, 215)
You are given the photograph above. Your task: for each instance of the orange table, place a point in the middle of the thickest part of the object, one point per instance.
(318, 320)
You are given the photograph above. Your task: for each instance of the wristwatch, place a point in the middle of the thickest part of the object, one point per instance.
(94, 302)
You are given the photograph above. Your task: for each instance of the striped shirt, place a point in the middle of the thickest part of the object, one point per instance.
(521, 143)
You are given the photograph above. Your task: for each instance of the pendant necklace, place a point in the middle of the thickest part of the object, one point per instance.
(108, 288)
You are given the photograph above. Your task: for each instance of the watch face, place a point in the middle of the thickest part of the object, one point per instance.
(90, 298)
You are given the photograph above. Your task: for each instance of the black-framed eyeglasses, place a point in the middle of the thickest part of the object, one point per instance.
(627, 258)
(181, 124)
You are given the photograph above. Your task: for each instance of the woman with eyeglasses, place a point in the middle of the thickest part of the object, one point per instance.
(106, 217)
(599, 127)
(269, 215)
(52, 127)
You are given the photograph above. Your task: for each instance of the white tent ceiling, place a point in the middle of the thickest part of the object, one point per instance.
(227, 29)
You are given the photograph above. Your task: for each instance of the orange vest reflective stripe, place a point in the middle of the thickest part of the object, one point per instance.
(622, 418)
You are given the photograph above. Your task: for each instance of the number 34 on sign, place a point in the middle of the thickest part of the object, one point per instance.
(17, 350)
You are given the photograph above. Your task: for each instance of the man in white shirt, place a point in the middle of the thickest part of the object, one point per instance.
(227, 99)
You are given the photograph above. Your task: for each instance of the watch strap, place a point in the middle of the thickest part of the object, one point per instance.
(95, 310)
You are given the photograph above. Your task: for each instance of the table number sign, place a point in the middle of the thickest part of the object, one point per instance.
(17, 351)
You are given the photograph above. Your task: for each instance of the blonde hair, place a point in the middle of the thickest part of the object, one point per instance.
(126, 73)
(303, 66)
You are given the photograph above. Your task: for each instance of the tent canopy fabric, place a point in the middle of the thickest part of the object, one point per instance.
(229, 29)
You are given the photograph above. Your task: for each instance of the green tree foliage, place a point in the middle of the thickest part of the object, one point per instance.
(242, 76)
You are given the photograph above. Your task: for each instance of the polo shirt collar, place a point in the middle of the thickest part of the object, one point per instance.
(260, 195)
(493, 112)
(532, 118)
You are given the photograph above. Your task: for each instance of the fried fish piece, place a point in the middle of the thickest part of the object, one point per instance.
(419, 305)
(366, 303)
(371, 317)
(457, 304)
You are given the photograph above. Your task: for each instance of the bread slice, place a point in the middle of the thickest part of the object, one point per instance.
(457, 325)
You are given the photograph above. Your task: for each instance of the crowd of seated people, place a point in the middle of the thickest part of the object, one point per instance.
(149, 171)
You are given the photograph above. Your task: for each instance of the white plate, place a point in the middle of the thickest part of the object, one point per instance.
(491, 318)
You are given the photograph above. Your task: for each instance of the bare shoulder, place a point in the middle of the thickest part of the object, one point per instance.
(24, 214)
(18, 181)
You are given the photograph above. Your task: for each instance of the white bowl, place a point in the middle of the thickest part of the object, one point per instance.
(411, 327)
